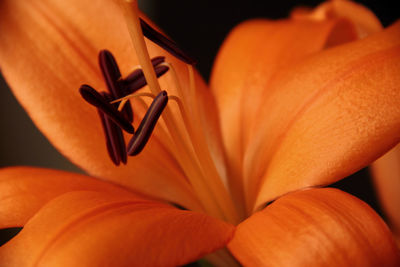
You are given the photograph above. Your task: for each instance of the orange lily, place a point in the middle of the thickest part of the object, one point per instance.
(278, 119)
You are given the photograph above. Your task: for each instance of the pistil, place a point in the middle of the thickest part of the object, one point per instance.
(213, 194)
(132, 19)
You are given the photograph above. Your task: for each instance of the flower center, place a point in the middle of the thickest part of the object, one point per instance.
(113, 119)
(181, 135)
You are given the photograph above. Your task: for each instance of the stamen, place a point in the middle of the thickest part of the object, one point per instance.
(146, 127)
(115, 135)
(157, 60)
(132, 96)
(165, 43)
(122, 104)
(139, 72)
(112, 75)
(97, 100)
(136, 79)
(125, 99)
(111, 72)
(108, 135)
(131, 11)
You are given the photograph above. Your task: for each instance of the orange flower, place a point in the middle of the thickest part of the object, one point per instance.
(294, 104)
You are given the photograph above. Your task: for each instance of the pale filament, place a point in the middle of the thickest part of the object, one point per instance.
(200, 170)
(198, 141)
(122, 104)
(124, 100)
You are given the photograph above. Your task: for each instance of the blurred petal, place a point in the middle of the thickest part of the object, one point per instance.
(316, 227)
(247, 62)
(48, 49)
(364, 19)
(386, 173)
(24, 190)
(254, 54)
(328, 117)
(102, 229)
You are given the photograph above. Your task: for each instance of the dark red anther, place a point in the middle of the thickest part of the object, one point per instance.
(113, 120)
(138, 73)
(111, 72)
(136, 79)
(146, 127)
(155, 61)
(97, 100)
(112, 75)
(114, 136)
(114, 155)
(165, 43)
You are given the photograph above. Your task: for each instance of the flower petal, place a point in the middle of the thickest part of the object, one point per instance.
(48, 49)
(86, 228)
(328, 116)
(386, 173)
(363, 19)
(24, 190)
(317, 227)
(249, 62)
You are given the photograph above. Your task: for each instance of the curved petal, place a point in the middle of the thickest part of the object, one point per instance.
(251, 59)
(24, 190)
(364, 19)
(337, 112)
(86, 228)
(48, 49)
(316, 227)
(386, 173)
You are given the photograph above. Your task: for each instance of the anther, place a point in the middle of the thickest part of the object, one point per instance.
(157, 60)
(111, 72)
(112, 75)
(139, 72)
(146, 127)
(114, 137)
(165, 43)
(108, 135)
(97, 100)
(136, 79)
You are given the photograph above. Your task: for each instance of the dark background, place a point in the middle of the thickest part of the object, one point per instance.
(199, 27)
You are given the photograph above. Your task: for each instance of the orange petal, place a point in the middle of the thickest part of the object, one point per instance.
(317, 227)
(363, 19)
(24, 190)
(98, 229)
(48, 50)
(328, 116)
(249, 61)
(386, 173)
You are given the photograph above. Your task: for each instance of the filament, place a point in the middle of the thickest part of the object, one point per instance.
(200, 169)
